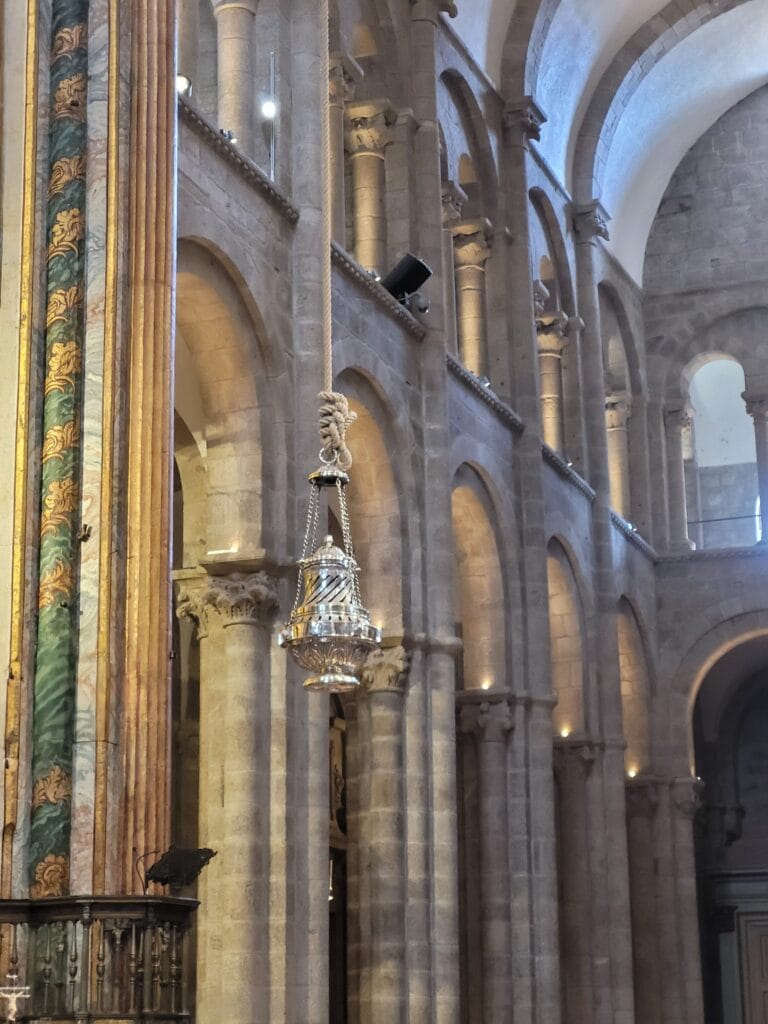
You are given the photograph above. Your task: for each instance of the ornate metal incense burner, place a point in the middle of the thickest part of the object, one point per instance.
(330, 632)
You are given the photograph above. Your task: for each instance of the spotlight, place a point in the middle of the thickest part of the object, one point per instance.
(269, 109)
(183, 85)
(228, 135)
(407, 277)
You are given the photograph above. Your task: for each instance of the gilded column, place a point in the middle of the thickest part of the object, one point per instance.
(56, 652)
(470, 252)
(385, 677)
(757, 408)
(551, 335)
(236, 62)
(574, 758)
(145, 725)
(367, 137)
(617, 411)
(642, 805)
(677, 417)
(491, 723)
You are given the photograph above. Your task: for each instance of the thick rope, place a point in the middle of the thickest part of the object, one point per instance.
(335, 417)
(326, 200)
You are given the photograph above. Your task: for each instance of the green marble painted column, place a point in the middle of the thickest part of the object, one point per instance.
(55, 664)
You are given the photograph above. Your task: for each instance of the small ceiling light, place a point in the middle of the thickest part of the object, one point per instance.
(486, 684)
(632, 773)
(565, 732)
(269, 109)
(183, 85)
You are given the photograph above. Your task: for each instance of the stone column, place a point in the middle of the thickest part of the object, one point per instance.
(491, 722)
(551, 336)
(188, 36)
(367, 137)
(470, 252)
(676, 419)
(235, 20)
(385, 678)
(453, 200)
(574, 758)
(685, 797)
(235, 790)
(617, 412)
(642, 802)
(341, 90)
(758, 409)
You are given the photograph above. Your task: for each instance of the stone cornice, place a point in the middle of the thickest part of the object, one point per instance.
(567, 472)
(353, 270)
(634, 537)
(503, 411)
(246, 168)
(716, 555)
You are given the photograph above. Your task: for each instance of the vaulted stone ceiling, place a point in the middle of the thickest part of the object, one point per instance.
(627, 85)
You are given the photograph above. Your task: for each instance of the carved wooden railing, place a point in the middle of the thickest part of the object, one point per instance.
(99, 958)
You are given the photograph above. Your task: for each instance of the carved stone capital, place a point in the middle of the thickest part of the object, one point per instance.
(242, 599)
(470, 250)
(453, 199)
(368, 127)
(574, 753)
(490, 722)
(341, 84)
(642, 797)
(190, 604)
(590, 221)
(757, 406)
(219, 6)
(386, 670)
(551, 332)
(523, 121)
(677, 417)
(686, 797)
(617, 411)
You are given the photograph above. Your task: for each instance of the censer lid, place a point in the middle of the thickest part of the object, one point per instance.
(328, 554)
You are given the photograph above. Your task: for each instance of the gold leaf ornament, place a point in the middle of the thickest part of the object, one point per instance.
(68, 230)
(62, 302)
(64, 171)
(59, 503)
(67, 40)
(69, 98)
(59, 439)
(53, 789)
(58, 581)
(51, 877)
(66, 360)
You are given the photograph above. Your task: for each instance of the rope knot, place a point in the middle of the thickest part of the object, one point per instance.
(335, 418)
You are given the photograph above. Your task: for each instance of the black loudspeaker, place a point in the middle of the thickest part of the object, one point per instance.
(407, 277)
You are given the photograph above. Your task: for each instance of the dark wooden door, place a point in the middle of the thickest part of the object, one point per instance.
(754, 959)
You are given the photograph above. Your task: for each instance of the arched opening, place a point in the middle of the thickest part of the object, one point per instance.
(618, 404)
(479, 592)
(566, 638)
(730, 726)
(719, 453)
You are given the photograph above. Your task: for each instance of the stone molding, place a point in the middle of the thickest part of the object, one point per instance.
(368, 127)
(245, 5)
(755, 551)
(523, 121)
(618, 408)
(558, 463)
(489, 721)
(353, 270)
(634, 537)
(246, 168)
(428, 644)
(387, 670)
(502, 410)
(590, 221)
(470, 251)
(438, 6)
